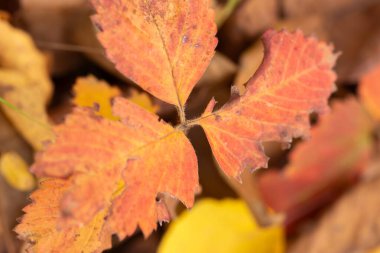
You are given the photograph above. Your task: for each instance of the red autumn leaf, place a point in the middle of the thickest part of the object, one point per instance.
(131, 161)
(129, 150)
(339, 148)
(294, 80)
(164, 46)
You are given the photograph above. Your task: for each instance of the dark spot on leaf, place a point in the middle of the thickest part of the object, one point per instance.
(185, 39)
(98, 27)
(96, 107)
(283, 133)
(298, 118)
(218, 118)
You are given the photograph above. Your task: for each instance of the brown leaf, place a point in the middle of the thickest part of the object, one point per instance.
(298, 8)
(318, 169)
(352, 224)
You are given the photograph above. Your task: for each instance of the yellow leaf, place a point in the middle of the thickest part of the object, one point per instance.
(15, 171)
(221, 226)
(90, 92)
(24, 83)
(142, 99)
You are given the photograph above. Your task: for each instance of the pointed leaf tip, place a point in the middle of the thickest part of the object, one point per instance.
(294, 79)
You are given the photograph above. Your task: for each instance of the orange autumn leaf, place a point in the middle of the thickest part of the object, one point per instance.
(338, 150)
(294, 80)
(164, 46)
(107, 148)
(151, 157)
(369, 90)
(39, 224)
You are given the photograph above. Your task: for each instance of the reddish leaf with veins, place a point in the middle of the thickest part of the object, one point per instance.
(339, 148)
(294, 80)
(110, 151)
(164, 46)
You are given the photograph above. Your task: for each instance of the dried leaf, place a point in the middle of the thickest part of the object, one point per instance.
(211, 222)
(15, 170)
(338, 150)
(24, 82)
(40, 222)
(369, 90)
(175, 34)
(352, 224)
(307, 7)
(294, 80)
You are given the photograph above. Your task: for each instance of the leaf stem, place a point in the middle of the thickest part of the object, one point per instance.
(226, 11)
(182, 115)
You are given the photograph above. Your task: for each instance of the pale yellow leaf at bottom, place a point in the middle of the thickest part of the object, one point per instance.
(15, 171)
(221, 226)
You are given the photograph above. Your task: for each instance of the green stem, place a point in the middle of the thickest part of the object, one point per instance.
(14, 108)
(226, 11)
